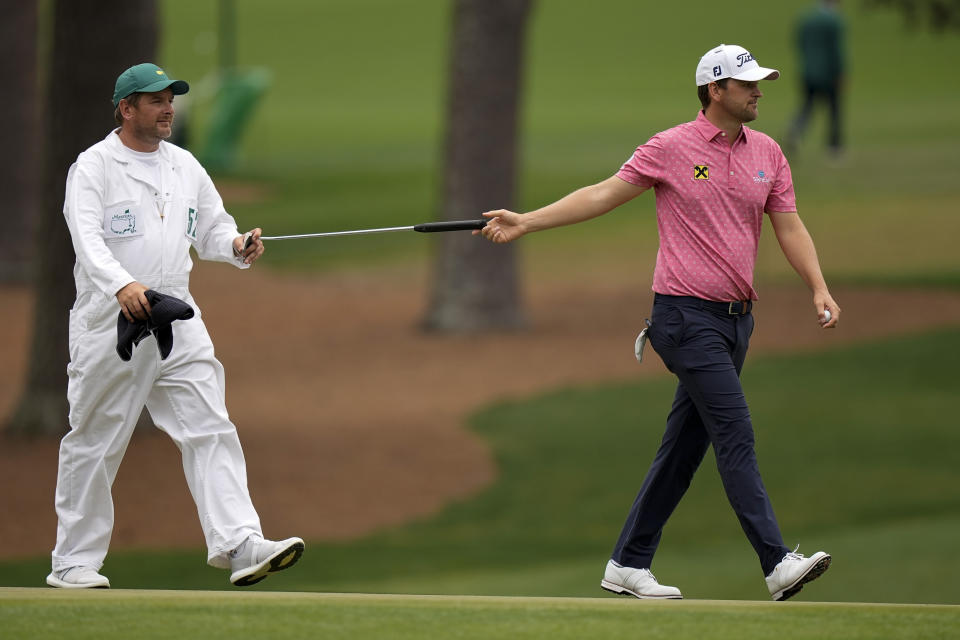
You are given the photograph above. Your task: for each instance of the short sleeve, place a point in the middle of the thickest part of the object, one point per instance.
(645, 167)
(782, 197)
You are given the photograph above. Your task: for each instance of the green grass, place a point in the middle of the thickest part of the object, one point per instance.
(350, 133)
(145, 615)
(857, 448)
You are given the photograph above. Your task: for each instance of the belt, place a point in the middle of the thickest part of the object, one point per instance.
(153, 281)
(734, 308)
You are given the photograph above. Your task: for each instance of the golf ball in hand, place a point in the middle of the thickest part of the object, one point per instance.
(826, 315)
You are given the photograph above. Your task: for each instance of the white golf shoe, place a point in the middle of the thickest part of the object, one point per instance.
(257, 558)
(639, 583)
(78, 578)
(788, 577)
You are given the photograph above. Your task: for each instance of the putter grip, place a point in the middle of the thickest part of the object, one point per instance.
(450, 225)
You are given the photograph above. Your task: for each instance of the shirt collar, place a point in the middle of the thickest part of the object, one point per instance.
(709, 131)
(116, 148)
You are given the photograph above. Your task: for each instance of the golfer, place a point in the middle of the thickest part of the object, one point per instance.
(135, 205)
(714, 179)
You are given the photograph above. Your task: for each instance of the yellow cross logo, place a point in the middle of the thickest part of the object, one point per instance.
(701, 172)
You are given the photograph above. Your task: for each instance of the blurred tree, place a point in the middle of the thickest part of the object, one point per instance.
(19, 113)
(475, 283)
(92, 44)
(934, 15)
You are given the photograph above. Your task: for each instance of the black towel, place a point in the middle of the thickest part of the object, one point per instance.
(164, 310)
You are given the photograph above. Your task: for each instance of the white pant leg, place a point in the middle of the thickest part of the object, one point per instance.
(188, 403)
(106, 396)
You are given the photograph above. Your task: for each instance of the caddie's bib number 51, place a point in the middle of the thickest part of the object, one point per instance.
(192, 223)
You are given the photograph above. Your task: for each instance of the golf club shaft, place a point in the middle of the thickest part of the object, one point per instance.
(427, 227)
(330, 234)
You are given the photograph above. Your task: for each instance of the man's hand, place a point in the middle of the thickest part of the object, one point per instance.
(583, 204)
(248, 247)
(502, 226)
(823, 301)
(133, 302)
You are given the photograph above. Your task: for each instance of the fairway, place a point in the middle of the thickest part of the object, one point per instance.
(40, 614)
(874, 485)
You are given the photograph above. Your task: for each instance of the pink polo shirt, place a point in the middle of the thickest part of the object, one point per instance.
(711, 197)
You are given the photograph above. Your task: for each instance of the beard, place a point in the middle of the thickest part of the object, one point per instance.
(164, 132)
(748, 114)
(154, 132)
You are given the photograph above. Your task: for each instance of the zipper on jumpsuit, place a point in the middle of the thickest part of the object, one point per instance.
(161, 206)
(161, 203)
(163, 240)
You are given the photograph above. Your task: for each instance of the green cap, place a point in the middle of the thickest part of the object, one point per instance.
(146, 78)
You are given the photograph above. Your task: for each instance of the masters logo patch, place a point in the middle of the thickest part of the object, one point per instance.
(123, 223)
(701, 172)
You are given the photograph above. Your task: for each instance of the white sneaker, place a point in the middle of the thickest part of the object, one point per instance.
(635, 582)
(78, 578)
(257, 558)
(794, 571)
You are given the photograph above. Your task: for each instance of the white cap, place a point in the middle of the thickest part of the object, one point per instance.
(731, 61)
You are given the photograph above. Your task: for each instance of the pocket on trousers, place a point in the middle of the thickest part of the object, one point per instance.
(667, 326)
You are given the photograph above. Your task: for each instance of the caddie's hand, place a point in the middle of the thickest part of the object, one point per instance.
(502, 226)
(248, 247)
(133, 302)
(824, 302)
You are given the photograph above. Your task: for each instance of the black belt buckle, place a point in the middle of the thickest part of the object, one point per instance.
(743, 308)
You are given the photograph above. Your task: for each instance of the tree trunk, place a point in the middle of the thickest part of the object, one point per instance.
(20, 163)
(475, 285)
(92, 44)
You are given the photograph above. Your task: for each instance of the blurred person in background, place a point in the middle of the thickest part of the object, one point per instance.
(820, 44)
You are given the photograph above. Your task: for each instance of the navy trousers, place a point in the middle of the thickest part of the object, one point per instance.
(813, 93)
(704, 345)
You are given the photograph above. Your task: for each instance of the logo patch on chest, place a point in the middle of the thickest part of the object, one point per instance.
(123, 223)
(701, 172)
(761, 177)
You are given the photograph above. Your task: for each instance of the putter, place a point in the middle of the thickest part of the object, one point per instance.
(426, 227)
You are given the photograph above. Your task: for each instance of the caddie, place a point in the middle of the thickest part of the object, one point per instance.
(135, 205)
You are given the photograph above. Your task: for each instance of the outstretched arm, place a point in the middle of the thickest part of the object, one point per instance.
(582, 204)
(797, 246)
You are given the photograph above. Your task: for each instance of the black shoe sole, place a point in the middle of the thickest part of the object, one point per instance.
(283, 560)
(623, 591)
(815, 572)
(54, 586)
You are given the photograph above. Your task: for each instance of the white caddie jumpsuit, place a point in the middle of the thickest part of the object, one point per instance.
(113, 209)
